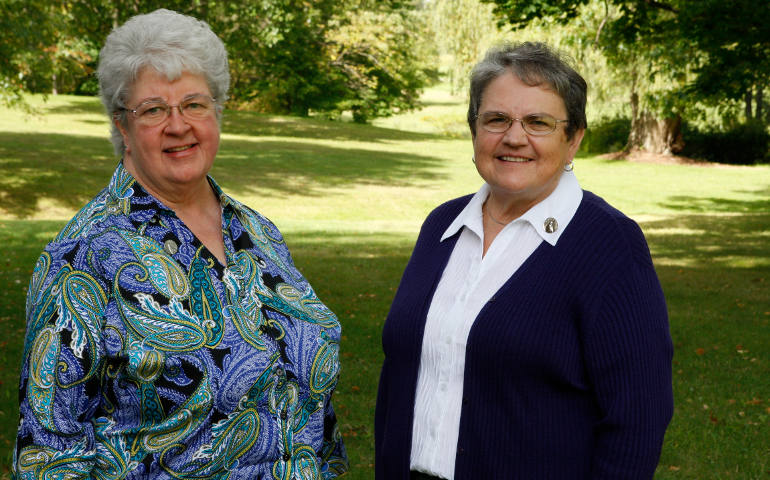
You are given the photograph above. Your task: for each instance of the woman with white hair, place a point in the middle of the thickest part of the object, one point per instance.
(169, 334)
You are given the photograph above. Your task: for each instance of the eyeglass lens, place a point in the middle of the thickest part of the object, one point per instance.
(535, 124)
(155, 111)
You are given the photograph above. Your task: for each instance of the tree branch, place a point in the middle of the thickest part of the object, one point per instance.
(604, 22)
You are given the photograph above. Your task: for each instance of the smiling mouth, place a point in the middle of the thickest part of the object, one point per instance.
(180, 148)
(515, 159)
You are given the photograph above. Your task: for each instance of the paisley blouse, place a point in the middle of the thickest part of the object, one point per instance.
(146, 358)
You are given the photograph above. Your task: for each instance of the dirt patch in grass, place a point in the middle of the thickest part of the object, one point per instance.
(664, 158)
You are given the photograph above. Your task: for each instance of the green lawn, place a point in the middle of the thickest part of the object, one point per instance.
(350, 199)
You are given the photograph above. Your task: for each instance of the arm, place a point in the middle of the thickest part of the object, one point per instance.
(60, 371)
(333, 456)
(628, 353)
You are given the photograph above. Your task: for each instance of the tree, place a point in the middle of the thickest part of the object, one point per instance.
(463, 30)
(734, 38)
(677, 53)
(24, 27)
(286, 56)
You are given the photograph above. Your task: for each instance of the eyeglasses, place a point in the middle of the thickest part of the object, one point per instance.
(154, 112)
(535, 124)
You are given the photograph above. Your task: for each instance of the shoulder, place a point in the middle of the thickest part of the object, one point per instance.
(256, 224)
(92, 216)
(608, 230)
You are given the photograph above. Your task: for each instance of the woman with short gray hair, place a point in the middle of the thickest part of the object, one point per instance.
(169, 334)
(529, 337)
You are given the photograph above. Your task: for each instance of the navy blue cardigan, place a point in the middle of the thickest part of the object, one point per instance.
(568, 365)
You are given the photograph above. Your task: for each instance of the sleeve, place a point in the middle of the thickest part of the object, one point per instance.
(333, 456)
(59, 381)
(628, 352)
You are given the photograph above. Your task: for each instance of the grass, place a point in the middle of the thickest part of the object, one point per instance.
(350, 199)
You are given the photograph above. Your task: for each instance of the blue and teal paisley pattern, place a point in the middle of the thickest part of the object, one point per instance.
(146, 358)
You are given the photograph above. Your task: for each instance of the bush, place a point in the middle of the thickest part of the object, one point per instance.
(608, 135)
(744, 144)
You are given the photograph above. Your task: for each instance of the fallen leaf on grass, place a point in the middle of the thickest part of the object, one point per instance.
(700, 351)
(673, 468)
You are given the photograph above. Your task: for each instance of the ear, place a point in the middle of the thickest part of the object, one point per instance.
(574, 143)
(121, 129)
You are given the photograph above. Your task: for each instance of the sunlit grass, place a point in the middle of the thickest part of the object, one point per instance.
(350, 200)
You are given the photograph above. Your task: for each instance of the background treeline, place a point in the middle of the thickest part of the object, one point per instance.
(286, 56)
(687, 77)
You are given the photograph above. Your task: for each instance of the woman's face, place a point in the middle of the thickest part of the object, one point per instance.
(174, 156)
(522, 169)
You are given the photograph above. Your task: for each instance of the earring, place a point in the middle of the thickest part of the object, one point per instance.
(569, 167)
(473, 159)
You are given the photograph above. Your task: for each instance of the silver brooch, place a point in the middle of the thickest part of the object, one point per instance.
(551, 225)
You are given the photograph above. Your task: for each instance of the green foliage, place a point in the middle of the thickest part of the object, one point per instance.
(742, 144)
(24, 27)
(286, 56)
(520, 13)
(463, 30)
(733, 38)
(675, 57)
(606, 135)
(383, 65)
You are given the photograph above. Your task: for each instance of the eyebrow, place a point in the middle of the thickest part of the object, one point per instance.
(496, 112)
(161, 99)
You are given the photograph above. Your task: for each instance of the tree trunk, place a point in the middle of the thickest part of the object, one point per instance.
(760, 100)
(656, 135)
(747, 100)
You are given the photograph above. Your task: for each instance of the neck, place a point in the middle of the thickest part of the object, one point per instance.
(503, 211)
(191, 197)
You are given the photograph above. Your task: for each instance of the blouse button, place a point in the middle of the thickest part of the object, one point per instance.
(170, 247)
(286, 457)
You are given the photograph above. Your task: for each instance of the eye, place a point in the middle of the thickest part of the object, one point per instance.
(495, 119)
(151, 110)
(539, 122)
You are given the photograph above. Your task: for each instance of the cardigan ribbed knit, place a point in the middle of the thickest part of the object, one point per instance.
(568, 365)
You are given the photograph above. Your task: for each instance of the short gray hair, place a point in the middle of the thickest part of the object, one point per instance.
(534, 64)
(168, 42)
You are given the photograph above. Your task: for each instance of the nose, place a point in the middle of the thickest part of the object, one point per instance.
(515, 135)
(176, 121)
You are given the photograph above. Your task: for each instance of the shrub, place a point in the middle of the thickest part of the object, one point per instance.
(608, 135)
(744, 144)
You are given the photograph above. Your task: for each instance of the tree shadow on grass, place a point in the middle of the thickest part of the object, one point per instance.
(308, 168)
(69, 169)
(715, 273)
(731, 241)
(76, 105)
(722, 205)
(264, 125)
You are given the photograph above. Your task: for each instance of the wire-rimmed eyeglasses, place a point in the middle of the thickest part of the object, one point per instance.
(154, 112)
(534, 124)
